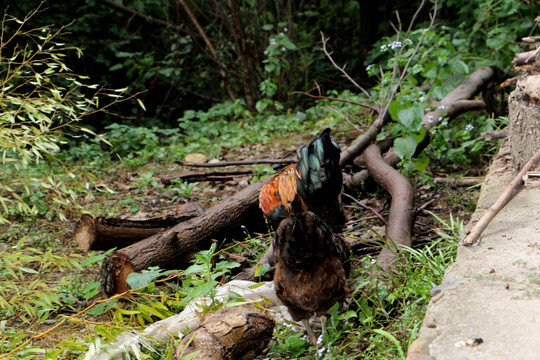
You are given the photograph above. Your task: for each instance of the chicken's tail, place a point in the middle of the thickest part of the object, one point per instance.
(318, 171)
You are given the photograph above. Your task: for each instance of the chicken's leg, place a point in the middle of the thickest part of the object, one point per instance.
(311, 335)
(323, 324)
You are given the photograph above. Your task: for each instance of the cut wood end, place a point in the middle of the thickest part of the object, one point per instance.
(84, 232)
(114, 272)
(469, 241)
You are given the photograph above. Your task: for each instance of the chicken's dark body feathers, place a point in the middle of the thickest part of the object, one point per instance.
(312, 265)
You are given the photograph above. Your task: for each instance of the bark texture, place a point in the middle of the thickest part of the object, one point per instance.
(524, 120)
(240, 332)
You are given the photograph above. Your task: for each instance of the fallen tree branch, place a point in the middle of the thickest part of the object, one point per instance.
(175, 247)
(402, 212)
(454, 104)
(524, 58)
(511, 190)
(237, 163)
(459, 182)
(207, 176)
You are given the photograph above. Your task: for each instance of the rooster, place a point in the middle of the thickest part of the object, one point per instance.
(312, 265)
(316, 177)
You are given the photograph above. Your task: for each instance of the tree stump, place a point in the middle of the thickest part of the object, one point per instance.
(240, 332)
(524, 120)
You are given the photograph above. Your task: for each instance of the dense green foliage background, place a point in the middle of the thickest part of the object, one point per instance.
(266, 49)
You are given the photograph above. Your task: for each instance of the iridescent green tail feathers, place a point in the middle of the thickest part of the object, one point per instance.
(319, 170)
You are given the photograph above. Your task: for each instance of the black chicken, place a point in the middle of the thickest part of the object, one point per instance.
(312, 265)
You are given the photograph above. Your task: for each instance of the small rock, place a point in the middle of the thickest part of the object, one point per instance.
(429, 321)
(196, 158)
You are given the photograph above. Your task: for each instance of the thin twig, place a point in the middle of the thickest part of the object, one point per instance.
(236, 163)
(366, 207)
(469, 181)
(342, 70)
(321, 97)
(208, 43)
(207, 176)
(361, 143)
(512, 190)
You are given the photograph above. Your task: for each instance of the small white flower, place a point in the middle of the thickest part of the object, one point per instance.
(285, 29)
(440, 118)
(395, 45)
(430, 119)
(427, 109)
(322, 351)
(433, 132)
(282, 34)
(469, 127)
(266, 52)
(319, 339)
(373, 261)
(383, 47)
(421, 98)
(442, 107)
(272, 41)
(444, 123)
(368, 67)
(283, 49)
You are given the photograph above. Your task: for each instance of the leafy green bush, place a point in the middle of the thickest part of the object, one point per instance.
(41, 101)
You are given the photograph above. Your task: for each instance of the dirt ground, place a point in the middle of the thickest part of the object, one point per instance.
(488, 306)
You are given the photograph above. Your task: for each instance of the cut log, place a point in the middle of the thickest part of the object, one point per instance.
(240, 332)
(106, 233)
(175, 247)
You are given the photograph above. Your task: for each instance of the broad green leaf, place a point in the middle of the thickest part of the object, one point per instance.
(136, 280)
(421, 163)
(394, 108)
(459, 67)
(411, 117)
(285, 41)
(405, 147)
